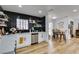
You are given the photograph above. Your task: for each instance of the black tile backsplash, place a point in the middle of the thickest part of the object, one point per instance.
(13, 16)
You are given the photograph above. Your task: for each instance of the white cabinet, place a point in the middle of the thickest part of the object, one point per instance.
(42, 36)
(27, 40)
(7, 44)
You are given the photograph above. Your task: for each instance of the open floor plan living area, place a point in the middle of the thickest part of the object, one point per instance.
(39, 29)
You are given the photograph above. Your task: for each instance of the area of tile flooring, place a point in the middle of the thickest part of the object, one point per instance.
(52, 47)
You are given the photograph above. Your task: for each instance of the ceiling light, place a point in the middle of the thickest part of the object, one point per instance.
(75, 10)
(40, 11)
(54, 17)
(20, 6)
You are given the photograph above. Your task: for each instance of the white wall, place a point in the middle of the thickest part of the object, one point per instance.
(47, 22)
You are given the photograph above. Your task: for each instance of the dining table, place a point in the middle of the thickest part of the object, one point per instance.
(57, 34)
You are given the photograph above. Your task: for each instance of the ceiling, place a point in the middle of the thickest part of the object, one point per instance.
(26, 9)
(58, 10)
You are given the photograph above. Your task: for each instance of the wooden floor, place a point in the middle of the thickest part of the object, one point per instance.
(36, 48)
(52, 47)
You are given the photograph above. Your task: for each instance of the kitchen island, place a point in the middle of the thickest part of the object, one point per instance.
(7, 42)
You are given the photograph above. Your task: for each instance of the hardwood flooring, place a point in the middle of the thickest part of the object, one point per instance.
(36, 48)
(52, 47)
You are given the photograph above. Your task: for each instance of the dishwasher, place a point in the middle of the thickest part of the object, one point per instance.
(34, 38)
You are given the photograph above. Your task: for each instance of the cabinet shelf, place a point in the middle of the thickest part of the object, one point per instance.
(2, 19)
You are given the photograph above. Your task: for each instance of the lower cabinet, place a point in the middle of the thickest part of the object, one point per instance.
(42, 36)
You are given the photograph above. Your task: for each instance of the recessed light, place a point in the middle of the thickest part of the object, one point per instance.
(20, 6)
(54, 17)
(75, 10)
(40, 11)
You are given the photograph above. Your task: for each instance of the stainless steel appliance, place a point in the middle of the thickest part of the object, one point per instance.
(34, 38)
